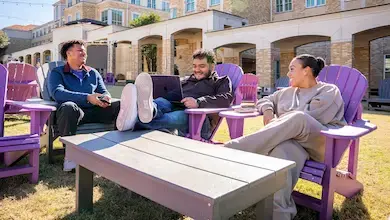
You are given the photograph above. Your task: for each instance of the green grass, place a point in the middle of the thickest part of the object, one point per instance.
(54, 196)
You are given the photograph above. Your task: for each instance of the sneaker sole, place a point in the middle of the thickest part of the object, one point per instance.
(144, 86)
(127, 116)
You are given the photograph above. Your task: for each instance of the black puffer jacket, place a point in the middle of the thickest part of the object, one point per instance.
(212, 92)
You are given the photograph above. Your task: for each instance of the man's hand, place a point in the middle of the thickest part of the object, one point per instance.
(94, 100)
(268, 115)
(190, 102)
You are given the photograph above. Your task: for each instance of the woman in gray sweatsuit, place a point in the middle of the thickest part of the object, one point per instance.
(293, 119)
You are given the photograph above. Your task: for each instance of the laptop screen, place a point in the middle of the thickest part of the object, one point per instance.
(168, 87)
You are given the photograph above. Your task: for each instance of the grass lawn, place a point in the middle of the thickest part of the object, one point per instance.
(54, 196)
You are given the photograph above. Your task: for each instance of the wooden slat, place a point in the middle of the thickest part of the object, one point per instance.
(314, 164)
(207, 163)
(311, 178)
(218, 151)
(156, 167)
(313, 171)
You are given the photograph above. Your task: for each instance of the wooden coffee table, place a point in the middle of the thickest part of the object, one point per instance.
(200, 180)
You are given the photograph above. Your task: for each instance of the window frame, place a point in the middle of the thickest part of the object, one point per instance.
(386, 72)
(283, 4)
(316, 3)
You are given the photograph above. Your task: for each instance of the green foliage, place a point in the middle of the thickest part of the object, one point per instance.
(4, 40)
(145, 19)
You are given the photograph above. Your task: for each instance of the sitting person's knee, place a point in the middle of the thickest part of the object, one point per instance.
(68, 108)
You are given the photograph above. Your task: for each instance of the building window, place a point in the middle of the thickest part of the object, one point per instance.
(314, 3)
(165, 6)
(190, 5)
(41, 32)
(49, 29)
(151, 3)
(283, 5)
(69, 3)
(33, 35)
(69, 18)
(173, 12)
(134, 15)
(77, 15)
(116, 17)
(214, 2)
(77, 1)
(386, 72)
(136, 2)
(105, 16)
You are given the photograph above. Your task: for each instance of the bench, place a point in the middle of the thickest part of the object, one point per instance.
(200, 180)
(383, 96)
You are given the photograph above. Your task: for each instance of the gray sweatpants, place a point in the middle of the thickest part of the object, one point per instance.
(293, 136)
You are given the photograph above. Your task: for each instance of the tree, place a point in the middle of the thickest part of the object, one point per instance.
(145, 19)
(4, 40)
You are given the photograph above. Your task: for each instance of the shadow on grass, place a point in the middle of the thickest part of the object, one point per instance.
(50, 175)
(117, 202)
(353, 208)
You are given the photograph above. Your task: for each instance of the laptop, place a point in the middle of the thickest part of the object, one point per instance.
(168, 87)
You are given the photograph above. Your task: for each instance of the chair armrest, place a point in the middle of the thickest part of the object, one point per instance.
(41, 101)
(30, 106)
(353, 131)
(201, 111)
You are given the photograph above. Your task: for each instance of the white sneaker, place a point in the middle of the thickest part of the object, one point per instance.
(69, 165)
(127, 116)
(144, 85)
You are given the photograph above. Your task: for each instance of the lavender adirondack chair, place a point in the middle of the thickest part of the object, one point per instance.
(42, 76)
(22, 83)
(248, 87)
(197, 116)
(352, 85)
(21, 144)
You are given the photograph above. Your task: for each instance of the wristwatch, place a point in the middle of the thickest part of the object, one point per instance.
(198, 102)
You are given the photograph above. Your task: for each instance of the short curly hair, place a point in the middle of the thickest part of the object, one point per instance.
(65, 47)
(202, 53)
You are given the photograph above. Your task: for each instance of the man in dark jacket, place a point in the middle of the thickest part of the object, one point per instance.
(80, 93)
(203, 89)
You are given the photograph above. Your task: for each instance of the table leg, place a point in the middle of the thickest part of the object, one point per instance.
(264, 208)
(236, 127)
(84, 189)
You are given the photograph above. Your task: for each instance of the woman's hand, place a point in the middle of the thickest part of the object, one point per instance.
(268, 115)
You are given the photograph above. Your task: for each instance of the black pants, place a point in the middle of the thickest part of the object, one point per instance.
(69, 116)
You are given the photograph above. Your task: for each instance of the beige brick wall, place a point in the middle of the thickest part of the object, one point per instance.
(299, 8)
(167, 57)
(256, 12)
(179, 5)
(264, 67)
(341, 53)
(285, 59)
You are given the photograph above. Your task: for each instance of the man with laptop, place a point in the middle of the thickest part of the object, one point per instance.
(203, 89)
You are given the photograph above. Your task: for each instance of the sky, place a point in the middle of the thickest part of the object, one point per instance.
(21, 12)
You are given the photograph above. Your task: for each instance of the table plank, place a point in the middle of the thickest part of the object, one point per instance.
(156, 167)
(218, 151)
(208, 163)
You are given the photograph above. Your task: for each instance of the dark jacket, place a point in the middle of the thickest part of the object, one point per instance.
(65, 86)
(212, 92)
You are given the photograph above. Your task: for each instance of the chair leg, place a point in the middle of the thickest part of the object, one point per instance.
(49, 149)
(34, 162)
(328, 190)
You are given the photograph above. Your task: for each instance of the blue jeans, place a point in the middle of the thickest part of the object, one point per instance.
(167, 116)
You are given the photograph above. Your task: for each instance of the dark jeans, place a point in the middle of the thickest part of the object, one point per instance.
(168, 116)
(69, 116)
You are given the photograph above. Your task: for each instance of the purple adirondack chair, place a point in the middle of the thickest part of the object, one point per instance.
(23, 143)
(197, 116)
(22, 83)
(352, 85)
(248, 87)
